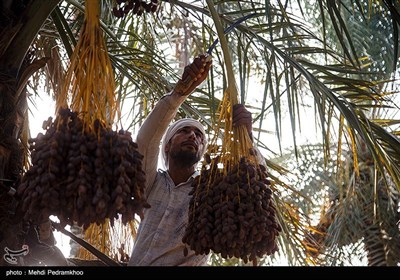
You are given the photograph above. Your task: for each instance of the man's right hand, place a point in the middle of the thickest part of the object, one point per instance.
(193, 75)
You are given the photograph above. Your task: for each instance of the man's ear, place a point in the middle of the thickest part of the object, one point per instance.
(167, 146)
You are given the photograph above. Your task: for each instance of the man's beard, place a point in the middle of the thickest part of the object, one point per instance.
(185, 158)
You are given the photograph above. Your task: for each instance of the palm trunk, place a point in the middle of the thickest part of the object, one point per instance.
(10, 166)
(21, 21)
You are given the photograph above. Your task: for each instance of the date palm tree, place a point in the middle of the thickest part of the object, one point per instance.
(296, 64)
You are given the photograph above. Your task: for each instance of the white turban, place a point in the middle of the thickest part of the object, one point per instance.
(174, 127)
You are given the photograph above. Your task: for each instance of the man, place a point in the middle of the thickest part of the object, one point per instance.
(159, 237)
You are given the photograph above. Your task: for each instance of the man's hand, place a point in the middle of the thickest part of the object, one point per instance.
(241, 116)
(193, 75)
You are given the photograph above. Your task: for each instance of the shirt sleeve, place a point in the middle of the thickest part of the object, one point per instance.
(150, 133)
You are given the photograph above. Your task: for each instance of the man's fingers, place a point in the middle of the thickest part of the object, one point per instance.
(241, 115)
(200, 65)
(194, 74)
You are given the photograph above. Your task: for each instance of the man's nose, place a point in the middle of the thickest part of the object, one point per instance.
(192, 134)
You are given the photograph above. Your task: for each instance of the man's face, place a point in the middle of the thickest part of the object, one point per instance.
(186, 146)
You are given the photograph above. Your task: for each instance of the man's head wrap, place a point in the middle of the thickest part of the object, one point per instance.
(173, 128)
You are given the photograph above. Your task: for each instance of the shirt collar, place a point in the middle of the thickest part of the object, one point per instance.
(194, 175)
